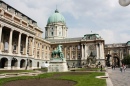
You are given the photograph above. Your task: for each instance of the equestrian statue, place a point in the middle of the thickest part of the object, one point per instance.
(58, 52)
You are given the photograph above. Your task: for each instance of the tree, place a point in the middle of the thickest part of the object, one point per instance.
(126, 60)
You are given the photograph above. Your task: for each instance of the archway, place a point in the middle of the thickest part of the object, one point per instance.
(116, 61)
(30, 63)
(22, 63)
(14, 62)
(38, 64)
(3, 62)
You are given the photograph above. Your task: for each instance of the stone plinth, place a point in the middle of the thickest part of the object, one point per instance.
(57, 65)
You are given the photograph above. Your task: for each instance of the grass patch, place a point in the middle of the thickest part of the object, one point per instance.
(14, 71)
(4, 80)
(82, 78)
(88, 69)
(86, 80)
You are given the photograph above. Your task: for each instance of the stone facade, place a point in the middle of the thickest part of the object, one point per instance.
(22, 45)
(117, 52)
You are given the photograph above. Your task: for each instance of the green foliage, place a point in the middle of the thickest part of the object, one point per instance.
(126, 60)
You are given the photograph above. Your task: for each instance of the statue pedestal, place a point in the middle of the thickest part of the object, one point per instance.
(57, 65)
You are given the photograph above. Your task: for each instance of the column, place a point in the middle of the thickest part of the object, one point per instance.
(33, 46)
(1, 27)
(82, 51)
(103, 56)
(101, 51)
(85, 52)
(10, 41)
(70, 53)
(41, 50)
(26, 51)
(97, 51)
(18, 63)
(19, 42)
(65, 56)
(76, 56)
(9, 64)
(36, 50)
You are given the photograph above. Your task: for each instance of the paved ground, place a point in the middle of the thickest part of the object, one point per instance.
(119, 78)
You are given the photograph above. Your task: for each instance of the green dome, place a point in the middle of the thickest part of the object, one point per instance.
(56, 17)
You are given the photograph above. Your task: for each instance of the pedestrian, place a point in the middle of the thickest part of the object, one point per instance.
(124, 67)
(121, 68)
(101, 68)
(114, 67)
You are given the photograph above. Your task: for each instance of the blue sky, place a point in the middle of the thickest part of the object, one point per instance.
(105, 17)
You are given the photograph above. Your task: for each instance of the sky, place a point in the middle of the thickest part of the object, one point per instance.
(104, 17)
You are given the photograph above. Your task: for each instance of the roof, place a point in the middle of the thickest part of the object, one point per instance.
(56, 17)
(66, 40)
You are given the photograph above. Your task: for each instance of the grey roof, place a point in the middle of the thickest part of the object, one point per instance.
(115, 45)
(66, 40)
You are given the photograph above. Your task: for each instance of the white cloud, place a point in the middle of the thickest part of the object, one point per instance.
(105, 17)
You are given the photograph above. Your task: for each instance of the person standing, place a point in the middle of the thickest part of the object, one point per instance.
(124, 67)
(101, 68)
(121, 68)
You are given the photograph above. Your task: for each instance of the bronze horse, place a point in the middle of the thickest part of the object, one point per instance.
(58, 52)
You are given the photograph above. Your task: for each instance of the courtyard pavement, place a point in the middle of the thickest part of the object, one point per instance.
(119, 78)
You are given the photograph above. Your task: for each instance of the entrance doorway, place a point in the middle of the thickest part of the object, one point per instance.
(3, 63)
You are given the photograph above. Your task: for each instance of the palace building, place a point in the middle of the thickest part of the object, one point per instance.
(22, 44)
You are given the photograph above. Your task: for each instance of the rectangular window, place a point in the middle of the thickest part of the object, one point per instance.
(78, 46)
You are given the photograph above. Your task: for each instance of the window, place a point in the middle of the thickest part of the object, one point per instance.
(51, 33)
(16, 13)
(6, 46)
(14, 47)
(21, 49)
(60, 33)
(42, 46)
(78, 46)
(38, 45)
(38, 54)
(8, 8)
(42, 54)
